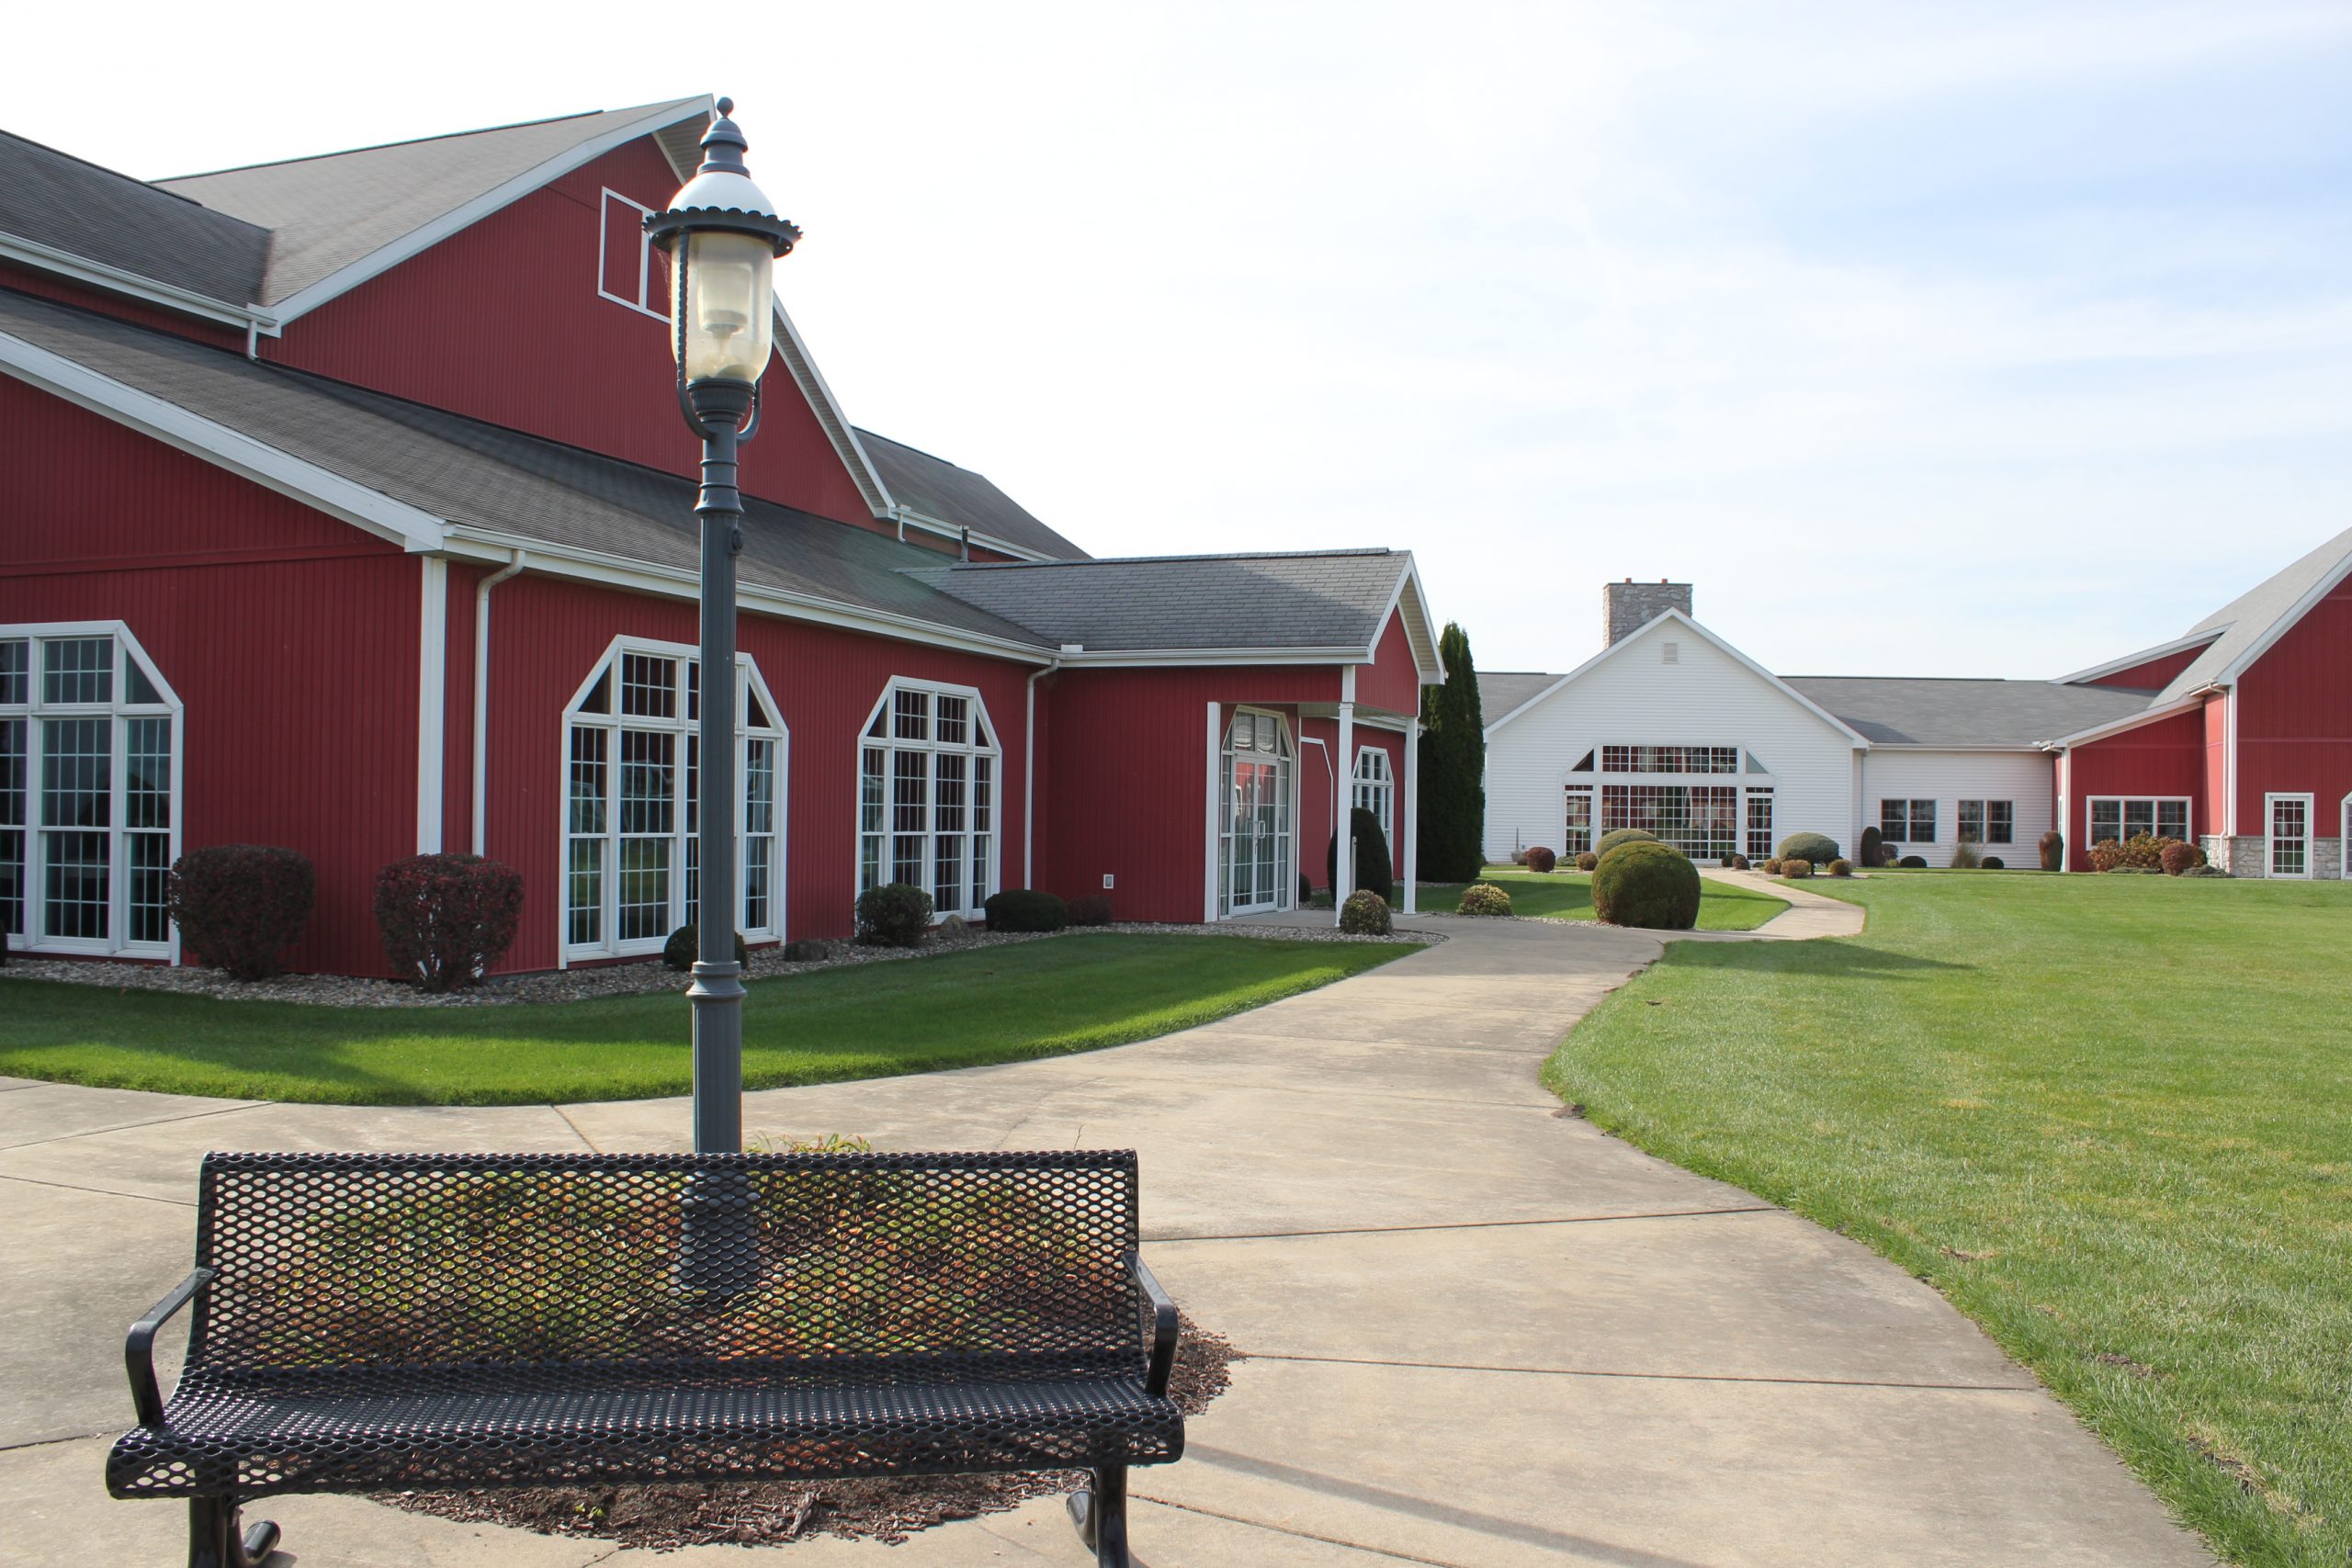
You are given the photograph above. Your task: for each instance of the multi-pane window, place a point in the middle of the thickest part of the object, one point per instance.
(1907, 821)
(928, 774)
(87, 808)
(1701, 820)
(1576, 834)
(1375, 787)
(1760, 825)
(1670, 758)
(1257, 865)
(2124, 816)
(630, 774)
(1988, 821)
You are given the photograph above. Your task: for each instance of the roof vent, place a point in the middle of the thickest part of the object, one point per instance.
(1073, 647)
(1669, 653)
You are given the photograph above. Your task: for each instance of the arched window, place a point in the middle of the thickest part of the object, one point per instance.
(1255, 866)
(1375, 787)
(89, 791)
(928, 769)
(630, 756)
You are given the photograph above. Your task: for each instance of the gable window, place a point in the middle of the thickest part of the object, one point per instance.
(1375, 788)
(628, 268)
(927, 774)
(630, 776)
(1670, 758)
(1987, 822)
(1907, 821)
(2125, 816)
(89, 792)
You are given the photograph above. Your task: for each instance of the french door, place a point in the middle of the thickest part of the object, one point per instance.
(2288, 851)
(1254, 826)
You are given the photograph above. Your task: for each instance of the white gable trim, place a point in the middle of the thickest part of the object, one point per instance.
(378, 513)
(792, 349)
(350, 276)
(2130, 721)
(1426, 658)
(114, 280)
(2178, 645)
(2329, 582)
(1861, 742)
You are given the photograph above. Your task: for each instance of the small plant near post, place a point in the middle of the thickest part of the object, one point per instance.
(678, 952)
(1364, 914)
(446, 919)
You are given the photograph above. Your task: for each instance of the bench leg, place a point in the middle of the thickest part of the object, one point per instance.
(1106, 1517)
(217, 1537)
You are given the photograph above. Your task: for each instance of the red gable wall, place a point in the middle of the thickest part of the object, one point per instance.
(2295, 717)
(2153, 676)
(1392, 681)
(2166, 757)
(502, 321)
(48, 285)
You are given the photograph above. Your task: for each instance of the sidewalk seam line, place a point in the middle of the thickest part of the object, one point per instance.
(100, 1192)
(1295, 1534)
(134, 1126)
(1474, 1224)
(1654, 1377)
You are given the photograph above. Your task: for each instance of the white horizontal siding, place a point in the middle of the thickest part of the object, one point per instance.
(1635, 697)
(2026, 779)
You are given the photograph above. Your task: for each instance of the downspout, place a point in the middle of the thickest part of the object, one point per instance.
(1029, 779)
(481, 695)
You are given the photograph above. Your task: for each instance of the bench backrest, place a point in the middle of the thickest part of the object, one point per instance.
(345, 1259)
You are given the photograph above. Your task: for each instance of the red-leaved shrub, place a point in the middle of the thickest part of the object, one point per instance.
(446, 919)
(239, 907)
(1586, 861)
(2140, 851)
(2177, 857)
(1541, 859)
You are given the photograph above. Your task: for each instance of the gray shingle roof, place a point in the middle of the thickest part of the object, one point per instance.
(937, 487)
(336, 208)
(1331, 598)
(466, 471)
(2250, 617)
(60, 201)
(1905, 711)
(1499, 691)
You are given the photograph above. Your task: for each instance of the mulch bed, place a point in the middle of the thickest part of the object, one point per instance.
(887, 1508)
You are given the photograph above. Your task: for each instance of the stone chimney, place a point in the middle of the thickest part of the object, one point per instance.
(1626, 607)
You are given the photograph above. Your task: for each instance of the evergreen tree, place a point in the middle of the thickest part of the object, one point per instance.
(1453, 768)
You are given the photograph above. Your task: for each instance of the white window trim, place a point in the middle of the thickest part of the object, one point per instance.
(1381, 786)
(2269, 834)
(1910, 819)
(2343, 842)
(644, 255)
(32, 710)
(1983, 805)
(611, 946)
(886, 705)
(1287, 880)
(2188, 805)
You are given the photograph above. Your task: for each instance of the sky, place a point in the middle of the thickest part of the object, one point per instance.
(1979, 339)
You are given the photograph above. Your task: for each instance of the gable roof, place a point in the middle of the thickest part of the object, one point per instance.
(938, 491)
(1911, 711)
(54, 203)
(341, 218)
(1326, 603)
(2250, 623)
(1505, 691)
(2142, 656)
(1559, 683)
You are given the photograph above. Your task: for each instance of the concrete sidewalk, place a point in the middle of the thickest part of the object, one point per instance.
(1483, 1332)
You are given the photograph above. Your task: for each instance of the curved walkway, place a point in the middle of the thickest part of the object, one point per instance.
(1483, 1332)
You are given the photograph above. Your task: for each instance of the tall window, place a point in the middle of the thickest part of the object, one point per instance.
(2123, 817)
(1907, 821)
(1575, 833)
(1375, 788)
(1760, 825)
(928, 771)
(1988, 821)
(630, 774)
(1256, 866)
(89, 796)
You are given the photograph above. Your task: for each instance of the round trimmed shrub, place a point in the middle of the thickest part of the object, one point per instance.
(897, 914)
(1818, 848)
(1995, 863)
(1586, 861)
(2177, 857)
(2054, 850)
(239, 907)
(678, 952)
(1541, 859)
(1796, 868)
(1616, 835)
(1842, 868)
(446, 919)
(1026, 909)
(1483, 898)
(1364, 914)
(1772, 866)
(1373, 872)
(1739, 863)
(1913, 863)
(1872, 846)
(1649, 884)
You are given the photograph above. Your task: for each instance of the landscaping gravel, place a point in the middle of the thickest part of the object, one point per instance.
(634, 977)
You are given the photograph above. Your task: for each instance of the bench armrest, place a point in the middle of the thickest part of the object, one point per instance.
(138, 1350)
(1163, 1325)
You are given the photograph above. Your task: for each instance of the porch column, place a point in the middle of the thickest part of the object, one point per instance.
(1209, 910)
(1344, 769)
(1412, 816)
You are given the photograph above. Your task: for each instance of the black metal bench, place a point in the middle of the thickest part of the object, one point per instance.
(370, 1323)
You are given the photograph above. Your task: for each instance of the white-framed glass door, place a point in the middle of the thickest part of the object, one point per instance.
(2287, 848)
(1255, 827)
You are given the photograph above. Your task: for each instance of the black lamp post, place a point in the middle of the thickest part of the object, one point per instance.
(723, 238)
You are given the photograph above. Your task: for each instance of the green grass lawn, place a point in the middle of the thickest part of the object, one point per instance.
(1568, 895)
(999, 1004)
(2106, 1116)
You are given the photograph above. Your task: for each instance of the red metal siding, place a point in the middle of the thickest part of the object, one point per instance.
(2166, 757)
(2295, 717)
(1391, 680)
(502, 321)
(2153, 676)
(48, 286)
(1316, 799)
(1130, 777)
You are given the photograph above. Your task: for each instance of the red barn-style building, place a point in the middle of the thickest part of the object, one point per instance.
(283, 560)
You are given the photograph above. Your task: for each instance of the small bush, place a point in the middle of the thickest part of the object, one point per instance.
(1651, 885)
(1842, 868)
(1091, 910)
(239, 907)
(1772, 866)
(952, 931)
(2054, 850)
(1964, 856)
(1306, 890)
(678, 952)
(808, 950)
(2177, 857)
(1372, 870)
(1727, 862)
(1364, 914)
(1541, 859)
(1586, 861)
(2202, 869)
(1739, 863)
(1995, 863)
(897, 914)
(1913, 863)
(1796, 868)
(1818, 848)
(1483, 898)
(1026, 909)
(446, 919)
(1617, 836)
(1872, 846)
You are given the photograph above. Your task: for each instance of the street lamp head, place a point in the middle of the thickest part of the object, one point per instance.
(723, 236)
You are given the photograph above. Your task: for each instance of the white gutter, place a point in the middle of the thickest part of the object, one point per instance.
(482, 693)
(114, 280)
(1029, 780)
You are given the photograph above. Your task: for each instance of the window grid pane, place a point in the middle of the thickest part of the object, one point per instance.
(2000, 821)
(16, 683)
(74, 896)
(1576, 836)
(649, 686)
(147, 777)
(1697, 820)
(926, 797)
(150, 862)
(12, 825)
(1760, 824)
(77, 670)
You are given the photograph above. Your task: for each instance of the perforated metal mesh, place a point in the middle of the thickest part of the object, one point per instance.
(420, 1321)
